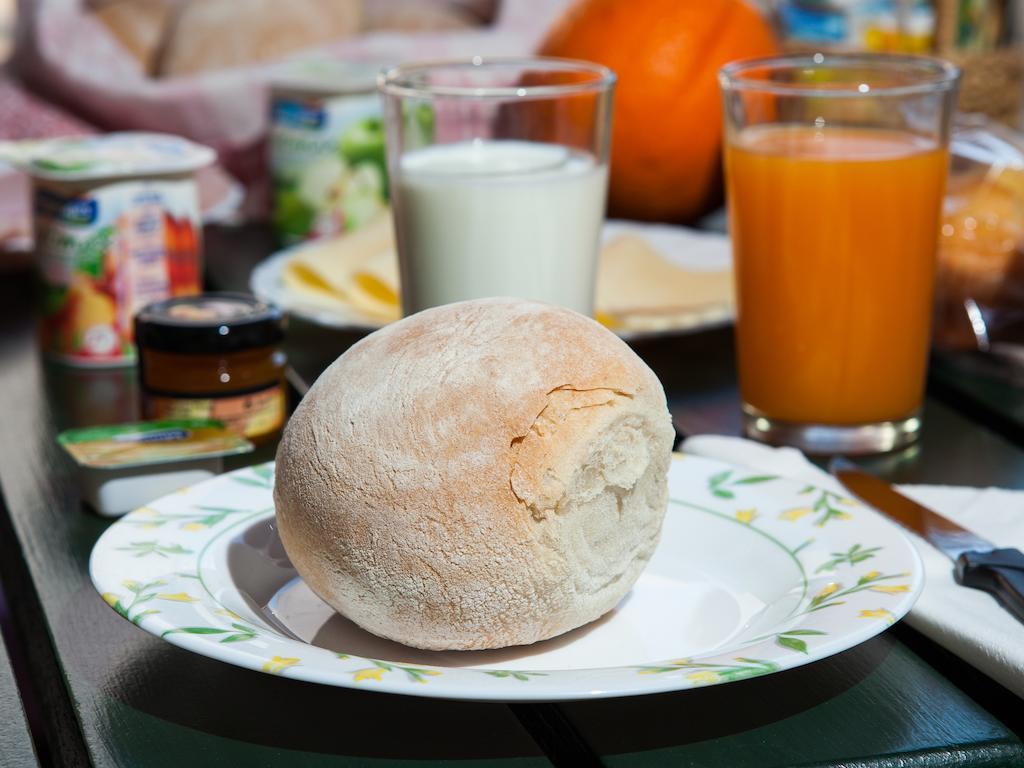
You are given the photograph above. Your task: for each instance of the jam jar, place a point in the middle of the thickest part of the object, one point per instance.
(214, 356)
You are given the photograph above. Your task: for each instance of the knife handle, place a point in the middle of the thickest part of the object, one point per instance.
(999, 572)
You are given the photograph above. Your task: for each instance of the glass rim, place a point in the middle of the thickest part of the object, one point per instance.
(936, 74)
(390, 81)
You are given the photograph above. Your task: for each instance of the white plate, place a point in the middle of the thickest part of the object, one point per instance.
(754, 574)
(689, 249)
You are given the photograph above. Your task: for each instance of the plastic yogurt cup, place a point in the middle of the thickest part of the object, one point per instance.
(117, 227)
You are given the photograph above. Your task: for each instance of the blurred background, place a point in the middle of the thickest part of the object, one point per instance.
(202, 68)
(206, 69)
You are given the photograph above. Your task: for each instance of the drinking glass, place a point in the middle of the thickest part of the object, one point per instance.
(835, 171)
(498, 171)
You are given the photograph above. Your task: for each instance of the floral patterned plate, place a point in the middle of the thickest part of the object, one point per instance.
(754, 574)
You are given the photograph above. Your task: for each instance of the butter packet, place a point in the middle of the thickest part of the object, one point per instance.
(124, 466)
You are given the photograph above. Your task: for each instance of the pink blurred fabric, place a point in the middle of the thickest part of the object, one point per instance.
(65, 55)
(26, 116)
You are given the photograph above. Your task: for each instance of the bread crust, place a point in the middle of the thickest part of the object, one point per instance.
(478, 475)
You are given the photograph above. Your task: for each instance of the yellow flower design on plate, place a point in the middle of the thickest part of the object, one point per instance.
(891, 589)
(834, 516)
(792, 515)
(278, 664)
(110, 599)
(370, 673)
(194, 527)
(229, 614)
(827, 590)
(130, 583)
(746, 516)
(877, 613)
(703, 677)
(179, 597)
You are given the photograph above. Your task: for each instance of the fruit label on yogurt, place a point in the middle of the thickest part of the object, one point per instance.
(327, 164)
(106, 252)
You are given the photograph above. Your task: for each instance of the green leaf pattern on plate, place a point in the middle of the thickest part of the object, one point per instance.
(236, 634)
(515, 674)
(723, 484)
(830, 594)
(827, 505)
(852, 556)
(377, 670)
(143, 548)
(823, 506)
(203, 518)
(140, 593)
(704, 673)
(262, 477)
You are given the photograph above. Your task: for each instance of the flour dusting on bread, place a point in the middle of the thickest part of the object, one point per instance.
(478, 475)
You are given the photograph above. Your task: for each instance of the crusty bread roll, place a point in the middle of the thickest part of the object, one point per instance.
(139, 26)
(478, 475)
(219, 34)
(415, 16)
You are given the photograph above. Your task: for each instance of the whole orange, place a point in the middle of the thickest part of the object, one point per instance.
(667, 129)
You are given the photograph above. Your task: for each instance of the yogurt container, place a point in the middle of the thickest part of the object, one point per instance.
(327, 163)
(117, 227)
(124, 466)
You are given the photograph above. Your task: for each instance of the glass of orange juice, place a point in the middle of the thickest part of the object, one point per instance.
(835, 172)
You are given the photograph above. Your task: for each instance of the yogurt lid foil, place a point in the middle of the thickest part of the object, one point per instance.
(121, 446)
(80, 158)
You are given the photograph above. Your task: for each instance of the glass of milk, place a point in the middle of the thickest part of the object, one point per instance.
(498, 171)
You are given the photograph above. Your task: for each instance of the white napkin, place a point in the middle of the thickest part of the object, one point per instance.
(968, 622)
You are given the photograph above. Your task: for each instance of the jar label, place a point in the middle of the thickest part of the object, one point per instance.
(107, 252)
(327, 164)
(253, 414)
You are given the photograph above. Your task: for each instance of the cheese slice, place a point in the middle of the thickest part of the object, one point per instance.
(637, 287)
(359, 269)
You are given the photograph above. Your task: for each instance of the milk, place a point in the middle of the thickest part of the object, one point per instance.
(499, 218)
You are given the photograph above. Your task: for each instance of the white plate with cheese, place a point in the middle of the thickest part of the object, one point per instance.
(652, 278)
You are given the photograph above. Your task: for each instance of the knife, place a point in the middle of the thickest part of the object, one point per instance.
(978, 563)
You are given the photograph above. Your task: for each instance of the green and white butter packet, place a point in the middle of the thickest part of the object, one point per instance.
(123, 466)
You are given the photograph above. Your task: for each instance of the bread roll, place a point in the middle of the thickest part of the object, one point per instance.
(139, 26)
(478, 475)
(220, 34)
(415, 16)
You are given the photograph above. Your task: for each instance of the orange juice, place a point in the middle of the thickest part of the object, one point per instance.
(834, 239)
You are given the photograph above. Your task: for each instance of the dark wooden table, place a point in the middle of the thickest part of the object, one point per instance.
(114, 695)
(984, 387)
(15, 741)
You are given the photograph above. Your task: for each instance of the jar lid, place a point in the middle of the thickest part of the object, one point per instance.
(211, 323)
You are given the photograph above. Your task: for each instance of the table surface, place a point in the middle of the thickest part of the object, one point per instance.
(15, 741)
(985, 387)
(114, 695)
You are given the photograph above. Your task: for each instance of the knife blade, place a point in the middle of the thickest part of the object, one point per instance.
(978, 562)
